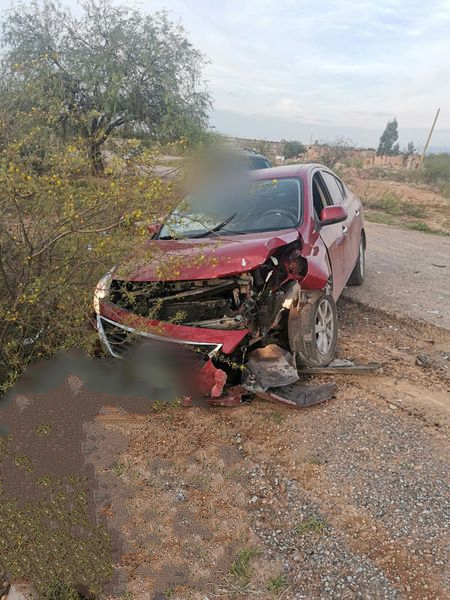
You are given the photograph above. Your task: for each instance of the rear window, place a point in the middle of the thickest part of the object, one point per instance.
(258, 163)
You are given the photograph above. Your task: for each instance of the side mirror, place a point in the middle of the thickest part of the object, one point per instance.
(332, 214)
(152, 228)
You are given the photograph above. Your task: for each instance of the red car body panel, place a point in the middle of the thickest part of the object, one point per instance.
(208, 258)
(329, 253)
(227, 339)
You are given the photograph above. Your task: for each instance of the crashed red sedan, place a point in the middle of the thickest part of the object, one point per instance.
(240, 266)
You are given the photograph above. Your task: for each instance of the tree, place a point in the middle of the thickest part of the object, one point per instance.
(111, 66)
(60, 229)
(388, 138)
(411, 149)
(293, 148)
(331, 154)
(263, 147)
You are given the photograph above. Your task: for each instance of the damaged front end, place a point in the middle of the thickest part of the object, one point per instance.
(220, 320)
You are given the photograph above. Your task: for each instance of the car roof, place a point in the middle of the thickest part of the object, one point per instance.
(252, 153)
(299, 170)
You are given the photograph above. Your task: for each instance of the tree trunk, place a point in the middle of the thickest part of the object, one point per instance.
(95, 157)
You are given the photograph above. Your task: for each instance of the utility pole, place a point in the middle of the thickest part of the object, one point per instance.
(429, 137)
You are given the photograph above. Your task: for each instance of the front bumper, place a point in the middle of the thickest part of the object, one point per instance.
(116, 326)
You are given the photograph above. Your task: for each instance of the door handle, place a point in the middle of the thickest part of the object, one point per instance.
(344, 229)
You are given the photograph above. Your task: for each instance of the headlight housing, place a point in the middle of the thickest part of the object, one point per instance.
(102, 289)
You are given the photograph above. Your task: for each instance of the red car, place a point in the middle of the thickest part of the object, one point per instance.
(239, 266)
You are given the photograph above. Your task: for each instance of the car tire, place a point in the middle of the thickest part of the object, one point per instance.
(358, 273)
(312, 331)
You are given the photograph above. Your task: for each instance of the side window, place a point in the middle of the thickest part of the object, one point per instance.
(259, 163)
(342, 188)
(334, 186)
(320, 199)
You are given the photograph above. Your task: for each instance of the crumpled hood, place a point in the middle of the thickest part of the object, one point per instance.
(204, 258)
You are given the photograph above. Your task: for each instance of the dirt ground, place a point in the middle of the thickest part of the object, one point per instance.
(347, 499)
(344, 500)
(437, 216)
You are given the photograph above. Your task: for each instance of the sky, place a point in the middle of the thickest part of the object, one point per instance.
(297, 69)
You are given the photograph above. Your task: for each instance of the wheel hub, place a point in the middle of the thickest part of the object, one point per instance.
(324, 329)
(361, 258)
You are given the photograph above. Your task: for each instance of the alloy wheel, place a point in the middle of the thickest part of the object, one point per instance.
(324, 329)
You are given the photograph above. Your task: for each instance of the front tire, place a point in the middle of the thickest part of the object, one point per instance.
(312, 332)
(358, 273)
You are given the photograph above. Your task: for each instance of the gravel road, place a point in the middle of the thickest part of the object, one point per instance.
(345, 500)
(408, 272)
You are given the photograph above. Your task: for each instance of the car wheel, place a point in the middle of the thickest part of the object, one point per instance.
(357, 276)
(312, 332)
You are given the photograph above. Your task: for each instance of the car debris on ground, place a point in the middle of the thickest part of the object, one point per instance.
(271, 373)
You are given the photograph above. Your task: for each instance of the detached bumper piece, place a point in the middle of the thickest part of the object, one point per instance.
(297, 394)
(121, 340)
(270, 372)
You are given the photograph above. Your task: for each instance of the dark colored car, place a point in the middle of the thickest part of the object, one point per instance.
(253, 160)
(258, 261)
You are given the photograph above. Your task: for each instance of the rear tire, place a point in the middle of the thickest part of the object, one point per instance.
(358, 273)
(312, 332)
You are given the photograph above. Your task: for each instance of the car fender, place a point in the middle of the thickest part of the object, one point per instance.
(318, 262)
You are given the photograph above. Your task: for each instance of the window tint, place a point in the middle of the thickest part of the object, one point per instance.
(259, 163)
(341, 187)
(319, 197)
(334, 187)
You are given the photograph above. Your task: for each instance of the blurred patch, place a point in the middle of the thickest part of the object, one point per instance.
(151, 372)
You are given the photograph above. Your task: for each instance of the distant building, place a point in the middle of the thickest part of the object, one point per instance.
(365, 157)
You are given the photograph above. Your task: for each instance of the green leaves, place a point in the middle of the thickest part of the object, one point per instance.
(60, 230)
(111, 66)
(387, 146)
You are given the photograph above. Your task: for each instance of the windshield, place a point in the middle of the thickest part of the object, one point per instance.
(242, 207)
(258, 163)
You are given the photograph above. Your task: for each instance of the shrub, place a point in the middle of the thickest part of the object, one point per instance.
(337, 152)
(60, 230)
(394, 205)
(293, 148)
(436, 169)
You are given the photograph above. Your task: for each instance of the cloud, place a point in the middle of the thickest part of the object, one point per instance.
(352, 63)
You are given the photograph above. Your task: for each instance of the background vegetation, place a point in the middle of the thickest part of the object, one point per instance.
(292, 149)
(88, 107)
(110, 84)
(112, 66)
(435, 173)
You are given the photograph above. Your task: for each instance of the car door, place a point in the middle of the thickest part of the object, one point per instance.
(351, 227)
(333, 236)
(354, 219)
